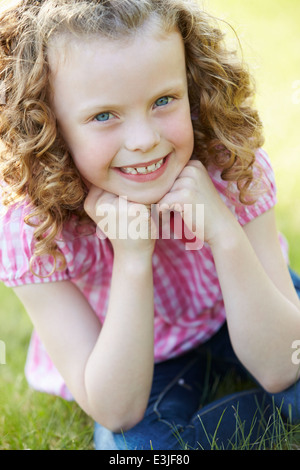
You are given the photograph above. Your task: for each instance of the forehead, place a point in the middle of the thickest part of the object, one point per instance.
(65, 42)
(74, 59)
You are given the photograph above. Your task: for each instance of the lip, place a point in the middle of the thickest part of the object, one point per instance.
(142, 178)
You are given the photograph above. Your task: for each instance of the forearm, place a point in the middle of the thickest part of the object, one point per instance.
(119, 371)
(262, 322)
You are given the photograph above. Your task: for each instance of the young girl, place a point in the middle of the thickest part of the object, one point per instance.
(138, 101)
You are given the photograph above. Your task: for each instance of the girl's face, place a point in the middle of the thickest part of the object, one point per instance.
(123, 110)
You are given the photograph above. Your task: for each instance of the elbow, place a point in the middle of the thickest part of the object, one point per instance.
(273, 385)
(119, 423)
(120, 426)
(116, 412)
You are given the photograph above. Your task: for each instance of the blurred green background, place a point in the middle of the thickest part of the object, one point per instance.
(270, 36)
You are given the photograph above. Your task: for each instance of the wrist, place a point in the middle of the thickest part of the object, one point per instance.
(133, 260)
(227, 236)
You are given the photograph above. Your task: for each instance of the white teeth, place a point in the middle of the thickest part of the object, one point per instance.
(159, 164)
(131, 171)
(151, 167)
(143, 169)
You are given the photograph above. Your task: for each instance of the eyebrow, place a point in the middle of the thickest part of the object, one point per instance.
(176, 88)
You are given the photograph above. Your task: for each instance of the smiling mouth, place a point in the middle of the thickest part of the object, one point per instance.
(143, 170)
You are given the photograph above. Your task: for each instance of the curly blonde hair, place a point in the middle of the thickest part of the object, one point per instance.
(35, 163)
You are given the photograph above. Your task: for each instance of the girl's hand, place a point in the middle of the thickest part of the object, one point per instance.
(194, 186)
(126, 224)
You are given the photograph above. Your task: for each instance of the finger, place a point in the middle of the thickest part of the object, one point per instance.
(170, 202)
(195, 163)
(91, 200)
(192, 171)
(185, 182)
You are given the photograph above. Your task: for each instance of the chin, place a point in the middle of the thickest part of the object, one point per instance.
(147, 199)
(150, 196)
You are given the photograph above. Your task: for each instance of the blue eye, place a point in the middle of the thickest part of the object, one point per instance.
(163, 101)
(102, 117)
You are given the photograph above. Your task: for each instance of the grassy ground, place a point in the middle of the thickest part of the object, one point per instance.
(29, 419)
(269, 34)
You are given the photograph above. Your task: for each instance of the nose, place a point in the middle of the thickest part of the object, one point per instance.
(141, 135)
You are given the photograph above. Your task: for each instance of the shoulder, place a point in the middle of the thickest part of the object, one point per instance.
(79, 244)
(17, 247)
(263, 187)
(15, 235)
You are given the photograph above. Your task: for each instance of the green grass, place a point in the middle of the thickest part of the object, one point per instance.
(271, 40)
(30, 419)
(37, 421)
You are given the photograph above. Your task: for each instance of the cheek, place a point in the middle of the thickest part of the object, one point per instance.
(180, 132)
(91, 156)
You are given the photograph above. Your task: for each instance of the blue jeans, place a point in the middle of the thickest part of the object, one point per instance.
(184, 413)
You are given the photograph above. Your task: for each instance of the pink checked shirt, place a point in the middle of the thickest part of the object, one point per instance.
(188, 301)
